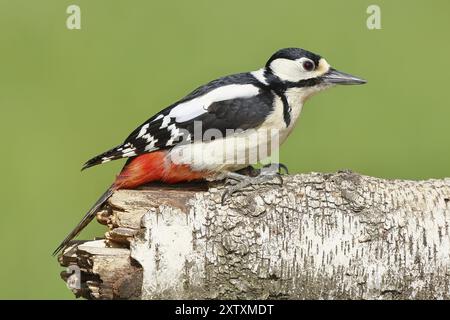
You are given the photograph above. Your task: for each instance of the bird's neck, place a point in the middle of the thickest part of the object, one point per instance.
(298, 96)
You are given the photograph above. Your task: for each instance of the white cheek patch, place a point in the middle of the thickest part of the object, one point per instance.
(292, 70)
(287, 70)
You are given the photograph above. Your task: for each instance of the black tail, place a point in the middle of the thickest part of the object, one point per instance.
(86, 219)
(112, 154)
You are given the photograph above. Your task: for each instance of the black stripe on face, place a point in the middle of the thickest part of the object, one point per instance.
(279, 85)
(305, 83)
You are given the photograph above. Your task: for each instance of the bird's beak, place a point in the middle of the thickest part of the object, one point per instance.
(333, 76)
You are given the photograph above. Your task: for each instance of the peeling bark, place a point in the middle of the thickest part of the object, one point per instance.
(319, 236)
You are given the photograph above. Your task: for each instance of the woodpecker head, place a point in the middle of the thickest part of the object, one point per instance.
(298, 68)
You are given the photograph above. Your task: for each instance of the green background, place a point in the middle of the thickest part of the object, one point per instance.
(66, 95)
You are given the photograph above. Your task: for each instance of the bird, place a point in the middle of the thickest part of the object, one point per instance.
(172, 147)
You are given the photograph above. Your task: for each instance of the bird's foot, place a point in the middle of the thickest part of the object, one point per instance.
(253, 172)
(237, 181)
(278, 167)
(249, 171)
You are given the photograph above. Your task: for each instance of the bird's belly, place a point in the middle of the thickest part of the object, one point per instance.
(230, 153)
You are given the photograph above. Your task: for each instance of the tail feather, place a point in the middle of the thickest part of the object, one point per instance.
(119, 152)
(86, 219)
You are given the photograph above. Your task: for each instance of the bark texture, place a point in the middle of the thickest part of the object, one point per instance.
(327, 236)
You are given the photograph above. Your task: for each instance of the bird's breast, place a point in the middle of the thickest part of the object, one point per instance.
(276, 120)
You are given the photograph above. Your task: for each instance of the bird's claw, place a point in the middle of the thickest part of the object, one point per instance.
(224, 196)
(279, 167)
(236, 182)
(230, 182)
(283, 167)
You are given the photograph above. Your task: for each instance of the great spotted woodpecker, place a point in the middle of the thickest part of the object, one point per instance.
(171, 146)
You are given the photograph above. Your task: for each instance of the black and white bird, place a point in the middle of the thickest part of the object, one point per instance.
(221, 127)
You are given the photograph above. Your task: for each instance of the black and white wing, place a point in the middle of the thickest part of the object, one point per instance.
(234, 102)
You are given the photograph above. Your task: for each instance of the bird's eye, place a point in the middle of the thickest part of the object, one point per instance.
(308, 65)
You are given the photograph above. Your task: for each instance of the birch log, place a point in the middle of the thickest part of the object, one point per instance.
(319, 236)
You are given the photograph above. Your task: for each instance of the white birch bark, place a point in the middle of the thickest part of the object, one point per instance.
(319, 236)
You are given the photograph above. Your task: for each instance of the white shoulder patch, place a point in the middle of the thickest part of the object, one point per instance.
(193, 108)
